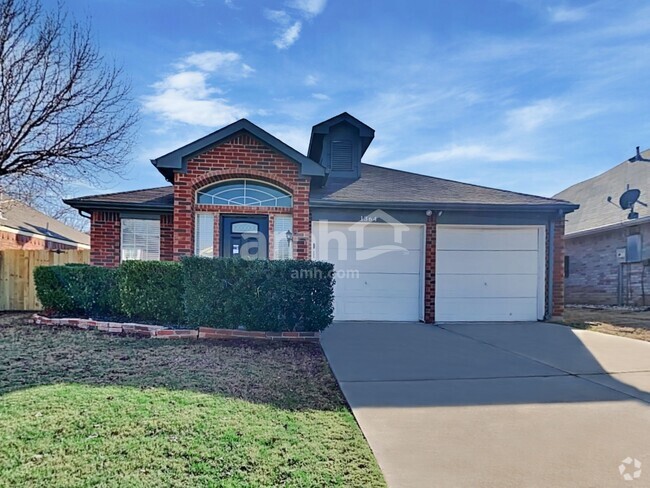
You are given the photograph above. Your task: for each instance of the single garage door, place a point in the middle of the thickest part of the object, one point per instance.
(378, 269)
(489, 273)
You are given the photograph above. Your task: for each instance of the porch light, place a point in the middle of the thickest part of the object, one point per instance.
(289, 236)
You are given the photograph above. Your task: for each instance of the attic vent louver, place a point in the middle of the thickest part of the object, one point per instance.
(342, 156)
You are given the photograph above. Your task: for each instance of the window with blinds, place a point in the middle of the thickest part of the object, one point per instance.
(140, 240)
(282, 247)
(204, 235)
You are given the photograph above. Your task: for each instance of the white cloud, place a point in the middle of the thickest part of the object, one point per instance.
(310, 8)
(320, 96)
(563, 14)
(290, 28)
(463, 153)
(530, 117)
(187, 96)
(311, 80)
(227, 62)
(288, 36)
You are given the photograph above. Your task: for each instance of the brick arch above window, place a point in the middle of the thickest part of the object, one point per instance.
(214, 177)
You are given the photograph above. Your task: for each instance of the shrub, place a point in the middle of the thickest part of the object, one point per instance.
(81, 289)
(151, 290)
(51, 290)
(260, 295)
(224, 292)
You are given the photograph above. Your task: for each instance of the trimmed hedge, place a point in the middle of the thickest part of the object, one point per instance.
(224, 292)
(151, 290)
(284, 295)
(78, 289)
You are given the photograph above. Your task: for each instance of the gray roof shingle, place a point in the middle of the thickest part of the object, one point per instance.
(377, 185)
(385, 185)
(161, 198)
(19, 216)
(595, 211)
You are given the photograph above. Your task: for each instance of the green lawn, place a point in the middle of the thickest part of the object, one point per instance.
(79, 408)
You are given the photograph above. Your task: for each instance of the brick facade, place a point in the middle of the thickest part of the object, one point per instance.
(430, 270)
(11, 240)
(558, 269)
(105, 239)
(241, 156)
(595, 275)
(167, 237)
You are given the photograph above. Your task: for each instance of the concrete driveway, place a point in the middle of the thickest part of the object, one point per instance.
(496, 405)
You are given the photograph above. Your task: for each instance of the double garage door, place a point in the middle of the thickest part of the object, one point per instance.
(483, 273)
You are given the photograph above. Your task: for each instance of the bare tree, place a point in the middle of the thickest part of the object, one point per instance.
(66, 115)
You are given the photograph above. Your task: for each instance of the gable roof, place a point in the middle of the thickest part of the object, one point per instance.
(319, 131)
(400, 189)
(377, 186)
(22, 218)
(151, 199)
(595, 211)
(175, 160)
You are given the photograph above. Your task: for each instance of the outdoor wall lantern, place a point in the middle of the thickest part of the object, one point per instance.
(289, 236)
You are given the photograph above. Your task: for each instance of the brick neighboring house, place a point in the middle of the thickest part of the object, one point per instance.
(608, 254)
(405, 246)
(23, 227)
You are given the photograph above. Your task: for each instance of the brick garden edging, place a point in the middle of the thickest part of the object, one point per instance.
(160, 332)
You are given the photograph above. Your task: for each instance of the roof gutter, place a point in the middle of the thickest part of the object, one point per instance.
(608, 228)
(89, 206)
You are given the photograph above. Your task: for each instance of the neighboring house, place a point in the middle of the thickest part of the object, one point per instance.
(438, 250)
(23, 227)
(607, 253)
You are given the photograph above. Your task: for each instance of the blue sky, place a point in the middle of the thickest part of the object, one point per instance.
(526, 95)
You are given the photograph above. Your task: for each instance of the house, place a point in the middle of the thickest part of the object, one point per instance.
(437, 250)
(23, 227)
(608, 247)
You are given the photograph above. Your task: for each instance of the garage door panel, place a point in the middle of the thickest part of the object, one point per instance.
(381, 269)
(486, 310)
(487, 286)
(381, 285)
(359, 236)
(489, 273)
(381, 261)
(374, 308)
(487, 262)
(487, 239)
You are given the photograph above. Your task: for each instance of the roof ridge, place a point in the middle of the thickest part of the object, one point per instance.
(467, 184)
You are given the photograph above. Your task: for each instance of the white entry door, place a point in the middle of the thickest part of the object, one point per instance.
(489, 273)
(378, 269)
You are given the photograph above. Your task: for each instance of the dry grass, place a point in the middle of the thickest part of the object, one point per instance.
(625, 323)
(80, 408)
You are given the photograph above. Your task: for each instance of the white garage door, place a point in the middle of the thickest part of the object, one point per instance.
(378, 269)
(489, 273)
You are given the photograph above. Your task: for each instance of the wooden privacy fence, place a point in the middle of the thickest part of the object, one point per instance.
(17, 290)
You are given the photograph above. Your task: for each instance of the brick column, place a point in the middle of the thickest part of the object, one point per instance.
(430, 270)
(166, 237)
(105, 239)
(558, 270)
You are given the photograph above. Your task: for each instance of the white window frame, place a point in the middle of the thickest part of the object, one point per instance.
(278, 235)
(122, 249)
(197, 219)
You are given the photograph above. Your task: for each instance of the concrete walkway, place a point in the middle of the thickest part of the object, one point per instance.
(496, 405)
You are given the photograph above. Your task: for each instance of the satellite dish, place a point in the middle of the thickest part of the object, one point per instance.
(629, 198)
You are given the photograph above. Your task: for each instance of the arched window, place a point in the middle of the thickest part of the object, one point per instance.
(249, 193)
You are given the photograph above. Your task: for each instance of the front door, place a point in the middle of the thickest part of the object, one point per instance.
(245, 237)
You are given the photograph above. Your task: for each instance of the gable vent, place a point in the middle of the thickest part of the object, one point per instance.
(342, 156)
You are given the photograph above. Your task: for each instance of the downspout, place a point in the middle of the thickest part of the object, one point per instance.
(551, 259)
